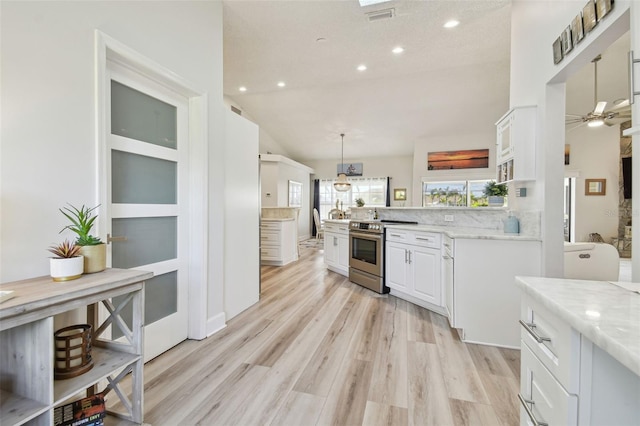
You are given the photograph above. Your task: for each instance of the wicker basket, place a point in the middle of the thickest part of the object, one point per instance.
(72, 351)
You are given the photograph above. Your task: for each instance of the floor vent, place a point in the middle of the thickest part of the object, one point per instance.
(236, 110)
(379, 15)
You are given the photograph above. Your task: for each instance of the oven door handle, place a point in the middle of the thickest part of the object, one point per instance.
(372, 237)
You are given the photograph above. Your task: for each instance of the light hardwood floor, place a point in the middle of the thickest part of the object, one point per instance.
(319, 350)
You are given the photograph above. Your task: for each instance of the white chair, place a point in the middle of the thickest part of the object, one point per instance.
(319, 225)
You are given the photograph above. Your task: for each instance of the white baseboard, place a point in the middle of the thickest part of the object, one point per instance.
(216, 323)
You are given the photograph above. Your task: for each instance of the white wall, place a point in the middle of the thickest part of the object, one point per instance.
(275, 173)
(267, 144)
(535, 80)
(397, 168)
(595, 154)
(485, 140)
(242, 216)
(48, 144)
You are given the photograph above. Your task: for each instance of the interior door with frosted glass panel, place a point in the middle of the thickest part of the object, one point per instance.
(147, 155)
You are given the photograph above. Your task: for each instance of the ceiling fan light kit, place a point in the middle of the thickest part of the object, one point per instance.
(342, 184)
(598, 117)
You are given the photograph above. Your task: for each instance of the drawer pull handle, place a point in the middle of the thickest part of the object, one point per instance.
(530, 329)
(524, 403)
(395, 235)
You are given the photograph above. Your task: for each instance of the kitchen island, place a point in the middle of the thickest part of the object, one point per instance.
(580, 351)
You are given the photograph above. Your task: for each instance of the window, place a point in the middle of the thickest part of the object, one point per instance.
(372, 190)
(460, 193)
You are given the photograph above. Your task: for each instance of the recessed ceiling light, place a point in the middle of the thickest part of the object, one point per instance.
(242, 89)
(281, 84)
(398, 50)
(364, 3)
(362, 67)
(452, 23)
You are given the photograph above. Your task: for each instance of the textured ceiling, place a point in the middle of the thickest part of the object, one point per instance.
(446, 82)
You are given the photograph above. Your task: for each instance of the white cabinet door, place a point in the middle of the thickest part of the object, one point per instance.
(331, 249)
(343, 252)
(425, 270)
(397, 274)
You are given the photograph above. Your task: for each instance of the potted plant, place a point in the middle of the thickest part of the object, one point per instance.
(359, 202)
(68, 263)
(495, 193)
(92, 248)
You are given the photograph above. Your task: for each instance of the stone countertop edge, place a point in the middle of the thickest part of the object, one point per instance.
(469, 233)
(616, 330)
(276, 219)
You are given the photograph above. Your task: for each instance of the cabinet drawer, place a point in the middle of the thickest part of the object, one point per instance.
(271, 225)
(553, 341)
(426, 239)
(542, 395)
(269, 237)
(270, 253)
(336, 228)
(398, 236)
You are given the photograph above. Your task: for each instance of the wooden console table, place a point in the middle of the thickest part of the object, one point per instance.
(28, 391)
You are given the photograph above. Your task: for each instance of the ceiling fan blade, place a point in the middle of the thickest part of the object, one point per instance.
(599, 109)
(574, 115)
(574, 120)
(575, 126)
(622, 106)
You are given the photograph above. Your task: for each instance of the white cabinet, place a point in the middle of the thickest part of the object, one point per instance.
(448, 279)
(566, 379)
(516, 145)
(278, 243)
(412, 261)
(28, 391)
(485, 300)
(336, 247)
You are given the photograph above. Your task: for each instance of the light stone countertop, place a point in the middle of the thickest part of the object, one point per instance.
(470, 233)
(277, 219)
(603, 312)
(339, 221)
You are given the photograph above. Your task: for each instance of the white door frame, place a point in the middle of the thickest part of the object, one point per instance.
(107, 48)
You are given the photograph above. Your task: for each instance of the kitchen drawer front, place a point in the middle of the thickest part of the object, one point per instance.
(426, 239)
(270, 237)
(561, 352)
(398, 236)
(336, 228)
(271, 225)
(542, 396)
(270, 253)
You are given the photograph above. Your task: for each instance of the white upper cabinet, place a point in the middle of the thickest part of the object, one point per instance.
(516, 145)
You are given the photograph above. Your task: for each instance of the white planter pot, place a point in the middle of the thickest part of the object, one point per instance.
(495, 201)
(66, 269)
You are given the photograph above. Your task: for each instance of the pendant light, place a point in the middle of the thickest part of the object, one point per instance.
(342, 185)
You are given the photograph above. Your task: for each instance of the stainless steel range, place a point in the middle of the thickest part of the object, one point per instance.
(366, 253)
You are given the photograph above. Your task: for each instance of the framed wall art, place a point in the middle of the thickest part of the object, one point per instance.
(400, 194)
(577, 30)
(295, 194)
(462, 159)
(350, 169)
(589, 20)
(557, 51)
(603, 7)
(595, 187)
(567, 42)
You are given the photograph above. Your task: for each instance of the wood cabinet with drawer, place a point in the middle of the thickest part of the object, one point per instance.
(278, 245)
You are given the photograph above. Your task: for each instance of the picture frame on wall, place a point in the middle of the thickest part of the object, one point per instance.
(567, 42)
(400, 194)
(589, 19)
(603, 7)
(595, 187)
(577, 30)
(557, 51)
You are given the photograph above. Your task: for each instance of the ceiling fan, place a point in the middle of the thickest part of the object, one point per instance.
(620, 112)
